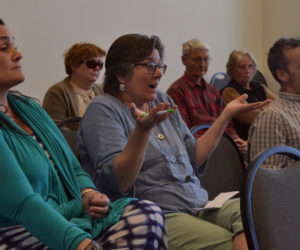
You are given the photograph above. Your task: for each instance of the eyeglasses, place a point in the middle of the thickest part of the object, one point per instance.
(199, 59)
(151, 67)
(92, 64)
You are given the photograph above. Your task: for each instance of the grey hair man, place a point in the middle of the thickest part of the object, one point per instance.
(198, 101)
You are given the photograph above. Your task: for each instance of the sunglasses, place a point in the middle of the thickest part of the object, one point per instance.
(92, 64)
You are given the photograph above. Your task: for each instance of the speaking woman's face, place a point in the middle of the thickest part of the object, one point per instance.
(142, 84)
(10, 68)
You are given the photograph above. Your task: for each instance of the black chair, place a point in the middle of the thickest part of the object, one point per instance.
(219, 80)
(259, 78)
(225, 169)
(69, 134)
(270, 203)
(16, 237)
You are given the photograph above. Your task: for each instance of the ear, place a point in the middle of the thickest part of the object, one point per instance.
(121, 79)
(183, 60)
(282, 75)
(74, 67)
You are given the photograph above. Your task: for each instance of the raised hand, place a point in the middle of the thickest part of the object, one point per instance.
(157, 114)
(239, 105)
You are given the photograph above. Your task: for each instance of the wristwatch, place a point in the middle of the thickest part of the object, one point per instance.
(94, 245)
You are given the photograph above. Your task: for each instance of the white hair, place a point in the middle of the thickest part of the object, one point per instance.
(193, 44)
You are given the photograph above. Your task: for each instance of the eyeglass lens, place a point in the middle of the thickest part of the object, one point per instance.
(152, 67)
(92, 64)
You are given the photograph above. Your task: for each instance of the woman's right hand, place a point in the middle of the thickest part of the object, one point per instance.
(149, 120)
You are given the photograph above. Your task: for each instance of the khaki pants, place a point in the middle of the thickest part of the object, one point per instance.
(211, 229)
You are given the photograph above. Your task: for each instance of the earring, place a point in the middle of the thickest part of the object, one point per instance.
(122, 87)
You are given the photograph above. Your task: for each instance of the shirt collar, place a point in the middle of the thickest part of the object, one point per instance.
(289, 96)
(187, 78)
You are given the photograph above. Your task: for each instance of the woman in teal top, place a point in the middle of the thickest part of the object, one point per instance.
(43, 186)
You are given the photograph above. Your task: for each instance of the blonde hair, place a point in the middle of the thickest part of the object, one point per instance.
(234, 57)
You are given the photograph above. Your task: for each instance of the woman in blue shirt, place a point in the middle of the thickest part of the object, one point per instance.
(134, 143)
(44, 188)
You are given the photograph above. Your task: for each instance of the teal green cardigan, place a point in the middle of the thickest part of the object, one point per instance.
(31, 190)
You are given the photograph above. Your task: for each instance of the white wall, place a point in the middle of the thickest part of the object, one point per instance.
(44, 29)
(281, 19)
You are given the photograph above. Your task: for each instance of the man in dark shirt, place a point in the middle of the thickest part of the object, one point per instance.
(198, 101)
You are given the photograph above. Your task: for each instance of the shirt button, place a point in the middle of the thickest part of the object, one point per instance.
(172, 159)
(160, 136)
(188, 178)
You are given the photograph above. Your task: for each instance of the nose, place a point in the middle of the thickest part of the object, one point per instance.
(157, 72)
(17, 55)
(202, 62)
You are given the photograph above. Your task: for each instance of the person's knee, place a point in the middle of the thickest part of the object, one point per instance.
(189, 232)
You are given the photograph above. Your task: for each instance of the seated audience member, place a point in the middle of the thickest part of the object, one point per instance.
(70, 97)
(198, 101)
(279, 124)
(44, 188)
(134, 139)
(241, 67)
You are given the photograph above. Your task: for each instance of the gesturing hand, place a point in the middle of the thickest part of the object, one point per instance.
(154, 117)
(239, 105)
(95, 204)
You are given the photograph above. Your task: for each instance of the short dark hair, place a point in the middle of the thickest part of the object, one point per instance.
(276, 58)
(124, 52)
(2, 22)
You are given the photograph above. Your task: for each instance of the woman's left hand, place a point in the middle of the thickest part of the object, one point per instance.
(96, 204)
(239, 105)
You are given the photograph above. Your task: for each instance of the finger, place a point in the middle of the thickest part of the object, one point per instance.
(100, 200)
(99, 211)
(134, 111)
(242, 97)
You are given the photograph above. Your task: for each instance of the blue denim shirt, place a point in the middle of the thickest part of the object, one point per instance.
(168, 175)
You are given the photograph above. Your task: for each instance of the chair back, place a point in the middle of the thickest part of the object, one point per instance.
(219, 80)
(225, 169)
(271, 204)
(259, 78)
(70, 135)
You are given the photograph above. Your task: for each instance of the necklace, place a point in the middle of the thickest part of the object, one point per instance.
(3, 107)
(86, 97)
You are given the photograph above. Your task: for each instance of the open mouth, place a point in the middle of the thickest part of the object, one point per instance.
(153, 86)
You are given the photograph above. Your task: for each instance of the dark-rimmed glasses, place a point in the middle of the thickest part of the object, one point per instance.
(92, 64)
(151, 67)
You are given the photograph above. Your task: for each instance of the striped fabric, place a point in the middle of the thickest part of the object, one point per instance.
(278, 125)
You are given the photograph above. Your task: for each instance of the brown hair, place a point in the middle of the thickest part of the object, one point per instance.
(80, 52)
(123, 54)
(276, 56)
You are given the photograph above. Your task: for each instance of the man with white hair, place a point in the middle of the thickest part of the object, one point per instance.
(198, 101)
